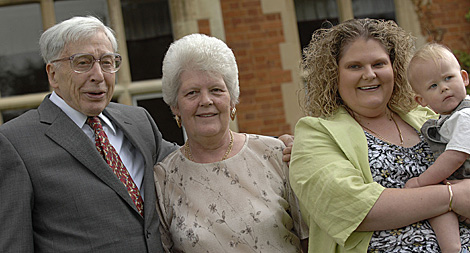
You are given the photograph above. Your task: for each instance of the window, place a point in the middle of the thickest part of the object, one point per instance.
(311, 15)
(162, 115)
(378, 9)
(65, 9)
(148, 34)
(22, 70)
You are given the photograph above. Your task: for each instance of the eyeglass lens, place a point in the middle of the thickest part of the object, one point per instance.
(109, 63)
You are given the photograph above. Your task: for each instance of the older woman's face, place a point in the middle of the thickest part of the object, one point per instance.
(365, 77)
(203, 104)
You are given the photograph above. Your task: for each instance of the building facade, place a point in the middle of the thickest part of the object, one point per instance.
(266, 36)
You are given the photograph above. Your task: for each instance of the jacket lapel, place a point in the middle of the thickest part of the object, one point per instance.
(350, 136)
(133, 134)
(71, 138)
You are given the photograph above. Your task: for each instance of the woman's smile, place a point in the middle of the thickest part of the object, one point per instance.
(368, 88)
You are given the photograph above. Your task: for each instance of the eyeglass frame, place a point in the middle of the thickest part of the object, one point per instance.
(70, 58)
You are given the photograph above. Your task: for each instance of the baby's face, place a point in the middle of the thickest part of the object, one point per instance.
(439, 85)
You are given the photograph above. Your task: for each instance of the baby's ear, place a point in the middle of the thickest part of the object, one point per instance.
(464, 76)
(420, 100)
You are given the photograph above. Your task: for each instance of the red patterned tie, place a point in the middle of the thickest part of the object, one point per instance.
(114, 161)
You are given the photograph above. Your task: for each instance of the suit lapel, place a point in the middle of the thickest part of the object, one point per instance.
(71, 138)
(133, 134)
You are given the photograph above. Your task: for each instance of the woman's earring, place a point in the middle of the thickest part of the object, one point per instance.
(178, 121)
(233, 113)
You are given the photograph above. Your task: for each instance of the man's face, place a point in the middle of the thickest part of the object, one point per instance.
(89, 92)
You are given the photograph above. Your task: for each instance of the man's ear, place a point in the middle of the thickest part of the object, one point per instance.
(51, 72)
(420, 100)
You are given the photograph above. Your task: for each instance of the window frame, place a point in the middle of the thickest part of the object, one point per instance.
(125, 89)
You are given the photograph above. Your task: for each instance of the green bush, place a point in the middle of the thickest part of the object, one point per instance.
(464, 59)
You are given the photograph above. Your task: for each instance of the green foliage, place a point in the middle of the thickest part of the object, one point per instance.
(464, 59)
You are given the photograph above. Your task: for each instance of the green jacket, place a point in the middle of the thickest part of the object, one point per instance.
(330, 174)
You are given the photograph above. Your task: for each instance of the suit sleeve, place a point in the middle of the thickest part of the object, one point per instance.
(16, 198)
(164, 147)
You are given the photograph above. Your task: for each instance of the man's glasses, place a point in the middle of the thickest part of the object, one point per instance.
(81, 63)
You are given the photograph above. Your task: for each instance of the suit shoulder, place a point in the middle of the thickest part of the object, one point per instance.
(127, 111)
(29, 118)
(125, 108)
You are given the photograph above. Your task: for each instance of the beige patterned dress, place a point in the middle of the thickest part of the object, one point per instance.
(242, 204)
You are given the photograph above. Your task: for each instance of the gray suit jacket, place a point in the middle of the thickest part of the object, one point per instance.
(57, 194)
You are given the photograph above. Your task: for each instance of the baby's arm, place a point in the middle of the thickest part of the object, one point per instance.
(446, 228)
(448, 162)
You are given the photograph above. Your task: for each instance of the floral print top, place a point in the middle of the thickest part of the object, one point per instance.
(392, 166)
(241, 204)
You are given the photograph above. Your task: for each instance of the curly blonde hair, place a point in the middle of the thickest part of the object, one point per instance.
(321, 57)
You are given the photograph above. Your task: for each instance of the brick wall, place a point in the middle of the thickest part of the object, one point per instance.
(204, 26)
(444, 21)
(254, 38)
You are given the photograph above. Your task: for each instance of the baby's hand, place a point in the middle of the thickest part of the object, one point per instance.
(412, 183)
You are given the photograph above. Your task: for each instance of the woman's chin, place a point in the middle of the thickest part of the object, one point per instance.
(208, 132)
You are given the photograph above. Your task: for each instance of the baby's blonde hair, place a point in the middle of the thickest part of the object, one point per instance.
(431, 52)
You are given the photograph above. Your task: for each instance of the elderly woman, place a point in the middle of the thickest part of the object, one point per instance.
(222, 191)
(354, 154)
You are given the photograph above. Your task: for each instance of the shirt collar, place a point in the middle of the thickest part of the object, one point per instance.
(77, 117)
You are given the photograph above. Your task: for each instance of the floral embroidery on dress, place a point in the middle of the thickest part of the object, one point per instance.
(241, 204)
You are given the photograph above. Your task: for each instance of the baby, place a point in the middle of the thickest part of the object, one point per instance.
(438, 81)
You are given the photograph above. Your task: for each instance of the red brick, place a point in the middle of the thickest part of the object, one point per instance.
(254, 38)
(204, 26)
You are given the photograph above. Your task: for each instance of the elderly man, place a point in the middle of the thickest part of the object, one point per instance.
(76, 174)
